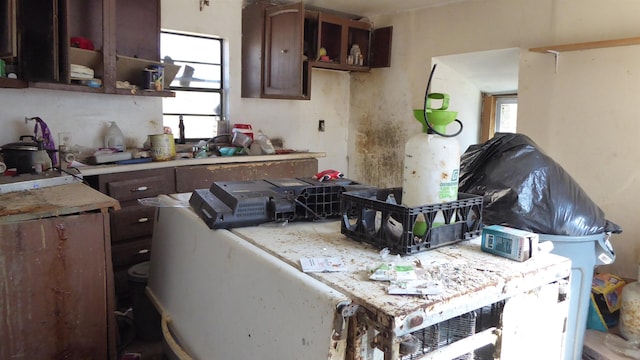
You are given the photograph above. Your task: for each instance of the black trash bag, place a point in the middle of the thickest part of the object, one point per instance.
(526, 189)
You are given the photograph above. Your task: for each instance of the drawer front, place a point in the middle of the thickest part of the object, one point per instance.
(132, 222)
(131, 189)
(131, 253)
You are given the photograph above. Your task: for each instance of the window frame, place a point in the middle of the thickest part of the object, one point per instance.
(488, 121)
(215, 118)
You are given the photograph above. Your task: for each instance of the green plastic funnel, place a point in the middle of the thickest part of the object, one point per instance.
(438, 118)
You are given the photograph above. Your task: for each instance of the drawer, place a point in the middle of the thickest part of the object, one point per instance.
(131, 252)
(143, 187)
(131, 222)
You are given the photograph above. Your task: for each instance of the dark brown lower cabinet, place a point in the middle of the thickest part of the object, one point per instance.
(132, 225)
(53, 288)
(189, 178)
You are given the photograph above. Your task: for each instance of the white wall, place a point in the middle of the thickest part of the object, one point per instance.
(85, 115)
(585, 116)
(466, 99)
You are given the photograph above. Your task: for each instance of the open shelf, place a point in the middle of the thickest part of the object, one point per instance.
(587, 45)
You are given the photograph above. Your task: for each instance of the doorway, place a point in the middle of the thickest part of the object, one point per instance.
(478, 80)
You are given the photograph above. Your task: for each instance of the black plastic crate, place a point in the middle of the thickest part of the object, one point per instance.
(375, 216)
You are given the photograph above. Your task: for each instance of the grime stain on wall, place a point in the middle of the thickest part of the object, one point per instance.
(380, 152)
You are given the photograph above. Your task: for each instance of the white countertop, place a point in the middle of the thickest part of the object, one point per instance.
(469, 277)
(113, 168)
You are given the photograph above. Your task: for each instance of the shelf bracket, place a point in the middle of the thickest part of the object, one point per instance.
(556, 55)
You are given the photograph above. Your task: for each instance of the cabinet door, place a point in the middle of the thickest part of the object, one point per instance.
(53, 288)
(8, 32)
(284, 67)
(39, 46)
(381, 47)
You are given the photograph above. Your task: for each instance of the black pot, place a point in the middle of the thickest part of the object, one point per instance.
(19, 155)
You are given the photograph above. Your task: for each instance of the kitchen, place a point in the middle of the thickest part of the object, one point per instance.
(553, 100)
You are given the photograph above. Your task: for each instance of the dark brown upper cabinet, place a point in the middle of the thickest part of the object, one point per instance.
(285, 68)
(125, 39)
(273, 63)
(344, 39)
(281, 43)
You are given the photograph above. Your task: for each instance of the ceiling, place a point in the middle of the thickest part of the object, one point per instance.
(493, 71)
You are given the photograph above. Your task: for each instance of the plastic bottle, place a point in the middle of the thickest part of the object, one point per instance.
(41, 159)
(630, 311)
(431, 166)
(181, 139)
(432, 158)
(114, 137)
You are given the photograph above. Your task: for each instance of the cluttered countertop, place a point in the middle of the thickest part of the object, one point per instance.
(40, 155)
(456, 279)
(64, 199)
(115, 168)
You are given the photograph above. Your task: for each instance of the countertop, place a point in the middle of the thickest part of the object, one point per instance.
(113, 168)
(469, 278)
(52, 201)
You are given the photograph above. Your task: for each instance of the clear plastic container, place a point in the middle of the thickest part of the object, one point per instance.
(114, 137)
(265, 143)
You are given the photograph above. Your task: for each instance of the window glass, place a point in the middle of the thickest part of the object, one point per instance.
(506, 114)
(198, 85)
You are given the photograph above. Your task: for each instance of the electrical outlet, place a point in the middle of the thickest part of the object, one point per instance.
(321, 125)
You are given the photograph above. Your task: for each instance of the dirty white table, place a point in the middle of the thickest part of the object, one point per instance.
(533, 292)
(254, 273)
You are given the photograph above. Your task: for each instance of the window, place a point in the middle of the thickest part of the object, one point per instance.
(198, 84)
(506, 113)
(499, 114)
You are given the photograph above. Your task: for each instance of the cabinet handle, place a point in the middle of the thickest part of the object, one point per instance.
(143, 251)
(284, 51)
(143, 220)
(141, 188)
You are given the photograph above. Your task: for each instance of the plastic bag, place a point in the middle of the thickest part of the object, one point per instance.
(524, 188)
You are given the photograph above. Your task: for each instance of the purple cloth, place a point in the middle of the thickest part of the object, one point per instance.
(47, 138)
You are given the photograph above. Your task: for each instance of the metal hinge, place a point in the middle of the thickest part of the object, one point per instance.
(343, 311)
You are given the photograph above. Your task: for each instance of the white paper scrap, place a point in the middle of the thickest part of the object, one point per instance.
(415, 287)
(322, 264)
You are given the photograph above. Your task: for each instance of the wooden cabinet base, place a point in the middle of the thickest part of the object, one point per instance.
(54, 289)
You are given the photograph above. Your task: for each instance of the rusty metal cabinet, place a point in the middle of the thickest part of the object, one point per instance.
(55, 283)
